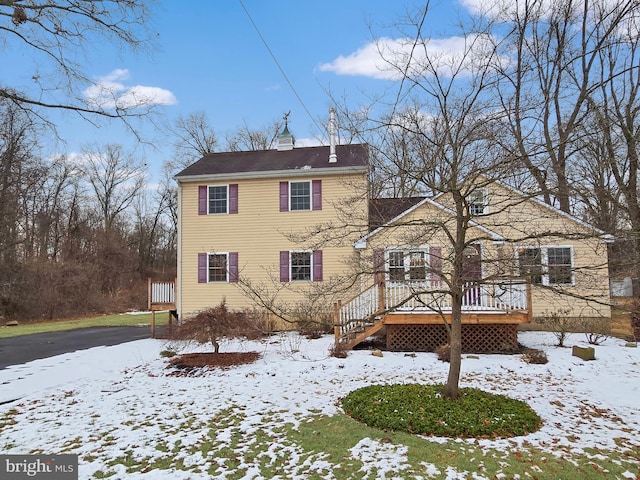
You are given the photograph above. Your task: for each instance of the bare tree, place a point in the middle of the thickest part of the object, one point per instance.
(246, 138)
(453, 128)
(115, 177)
(554, 68)
(611, 142)
(56, 35)
(194, 138)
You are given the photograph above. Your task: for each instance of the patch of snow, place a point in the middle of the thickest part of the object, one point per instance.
(103, 402)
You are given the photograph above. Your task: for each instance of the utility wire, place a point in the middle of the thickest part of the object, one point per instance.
(279, 66)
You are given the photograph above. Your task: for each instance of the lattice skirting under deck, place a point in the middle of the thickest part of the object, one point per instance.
(491, 338)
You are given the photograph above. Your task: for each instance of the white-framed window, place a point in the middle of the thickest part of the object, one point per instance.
(301, 266)
(218, 196)
(546, 265)
(217, 267)
(478, 202)
(300, 195)
(407, 265)
(217, 199)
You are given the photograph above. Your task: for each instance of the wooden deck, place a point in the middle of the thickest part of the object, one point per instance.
(500, 303)
(161, 297)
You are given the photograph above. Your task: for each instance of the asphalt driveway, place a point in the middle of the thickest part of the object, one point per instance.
(25, 348)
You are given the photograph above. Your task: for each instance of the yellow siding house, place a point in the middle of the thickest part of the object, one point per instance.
(244, 217)
(284, 223)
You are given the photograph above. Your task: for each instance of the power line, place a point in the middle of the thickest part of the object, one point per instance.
(279, 66)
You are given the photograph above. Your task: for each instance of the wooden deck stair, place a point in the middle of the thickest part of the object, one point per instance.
(360, 333)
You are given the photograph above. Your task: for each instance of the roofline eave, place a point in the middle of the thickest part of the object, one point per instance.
(298, 172)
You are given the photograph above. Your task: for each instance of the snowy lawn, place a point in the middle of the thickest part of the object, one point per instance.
(127, 418)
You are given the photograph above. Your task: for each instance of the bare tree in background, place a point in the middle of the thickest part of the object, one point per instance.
(194, 137)
(56, 36)
(554, 68)
(116, 177)
(246, 138)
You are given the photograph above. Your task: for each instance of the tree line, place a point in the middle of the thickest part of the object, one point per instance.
(82, 234)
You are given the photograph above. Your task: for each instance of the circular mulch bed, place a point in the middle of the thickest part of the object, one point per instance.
(190, 361)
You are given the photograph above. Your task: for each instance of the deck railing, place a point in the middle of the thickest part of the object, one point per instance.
(357, 312)
(163, 292)
(500, 296)
(162, 296)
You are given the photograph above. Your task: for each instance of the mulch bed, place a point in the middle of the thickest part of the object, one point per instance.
(190, 362)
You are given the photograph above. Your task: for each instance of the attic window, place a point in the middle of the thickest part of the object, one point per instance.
(477, 202)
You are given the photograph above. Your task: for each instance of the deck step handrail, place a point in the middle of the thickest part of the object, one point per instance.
(357, 312)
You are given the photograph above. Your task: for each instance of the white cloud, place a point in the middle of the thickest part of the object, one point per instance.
(383, 58)
(110, 91)
(366, 61)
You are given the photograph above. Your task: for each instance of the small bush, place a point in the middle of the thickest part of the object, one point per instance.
(560, 324)
(339, 351)
(168, 353)
(423, 409)
(444, 353)
(596, 330)
(535, 356)
(254, 323)
(212, 324)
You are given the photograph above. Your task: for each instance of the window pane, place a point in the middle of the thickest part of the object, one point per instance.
(300, 266)
(300, 195)
(559, 259)
(218, 199)
(218, 268)
(530, 263)
(417, 266)
(477, 202)
(396, 266)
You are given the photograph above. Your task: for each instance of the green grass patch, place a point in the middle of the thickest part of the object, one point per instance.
(423, 409)
(340, 447)
(337, 436)
(116, 320)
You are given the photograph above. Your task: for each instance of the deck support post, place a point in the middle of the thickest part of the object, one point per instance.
(336, 320)
(529, 304)
(381, 296)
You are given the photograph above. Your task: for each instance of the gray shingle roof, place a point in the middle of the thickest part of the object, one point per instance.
(226, 163)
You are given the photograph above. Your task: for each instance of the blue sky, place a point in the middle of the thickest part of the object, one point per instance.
(210, 58)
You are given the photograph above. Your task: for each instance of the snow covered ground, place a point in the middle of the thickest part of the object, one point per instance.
(108, 402)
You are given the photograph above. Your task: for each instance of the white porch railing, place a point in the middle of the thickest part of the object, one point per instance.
(164, 292)
(352, 315)
(361, 315)
(502, 296)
